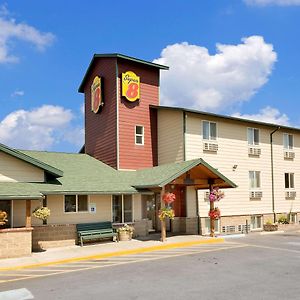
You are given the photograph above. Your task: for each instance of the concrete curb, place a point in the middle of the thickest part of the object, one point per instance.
(118, 253)
(271, 232)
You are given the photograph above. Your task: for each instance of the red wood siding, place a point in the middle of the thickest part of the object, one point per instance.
(101, 128)
(133, 156)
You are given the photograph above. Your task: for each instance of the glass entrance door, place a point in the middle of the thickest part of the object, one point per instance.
(149, 211)
(5, 205)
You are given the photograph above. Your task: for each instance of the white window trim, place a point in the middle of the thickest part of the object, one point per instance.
(289, 188)
(209, 139)
(256, 229)
(255, 188)
(253, 145)
(77, 212)
(112, 209)
(288, 148)
(137, 134)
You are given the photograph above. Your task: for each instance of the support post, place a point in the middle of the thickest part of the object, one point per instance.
(28, 213)
(163, 222)
(212, 221)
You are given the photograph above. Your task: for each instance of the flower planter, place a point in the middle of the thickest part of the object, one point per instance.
(270, 227)
(125, 236)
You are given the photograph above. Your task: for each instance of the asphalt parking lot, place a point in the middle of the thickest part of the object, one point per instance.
(252, 267)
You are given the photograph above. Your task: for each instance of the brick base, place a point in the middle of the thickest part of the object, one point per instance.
(53, 236)
(15, 242)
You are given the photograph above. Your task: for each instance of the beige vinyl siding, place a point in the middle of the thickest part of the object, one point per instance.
(58, 216)
(15, 170)
(233, 150)
(170, 136)
(19, 213)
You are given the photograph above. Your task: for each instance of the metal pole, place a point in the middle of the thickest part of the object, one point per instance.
(272, 173)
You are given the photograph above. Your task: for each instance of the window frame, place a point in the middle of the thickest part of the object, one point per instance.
(122, 209)
(288, 148)
(76, 205)
(255, 180)
(253, 130)
(209, 133)
(289, 180)
(255, 218)
(139, 135)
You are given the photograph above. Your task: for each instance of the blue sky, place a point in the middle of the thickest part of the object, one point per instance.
(236, 57)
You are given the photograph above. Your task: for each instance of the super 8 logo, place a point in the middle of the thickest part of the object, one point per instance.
(130, 86)
(96, 95)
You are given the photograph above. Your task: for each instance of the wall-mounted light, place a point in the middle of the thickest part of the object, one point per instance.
(234, 167)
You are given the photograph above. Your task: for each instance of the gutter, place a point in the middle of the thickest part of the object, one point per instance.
(272, 173)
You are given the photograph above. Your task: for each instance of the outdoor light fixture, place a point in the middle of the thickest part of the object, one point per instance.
(188, 180)
(234, 167)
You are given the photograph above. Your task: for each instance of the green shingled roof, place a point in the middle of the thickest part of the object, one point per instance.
(84, 174)
(21, 155)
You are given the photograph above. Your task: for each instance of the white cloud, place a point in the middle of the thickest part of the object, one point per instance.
(215, 82)
(40, 128)
(267, 114)
(10, 29)
(273, 2)
(18, 93)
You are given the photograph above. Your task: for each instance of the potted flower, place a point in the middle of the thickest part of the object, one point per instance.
(42, 213)
(270, 226)
(125, 232)
(3, 217)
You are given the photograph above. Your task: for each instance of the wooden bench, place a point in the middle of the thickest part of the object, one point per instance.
(93, 231)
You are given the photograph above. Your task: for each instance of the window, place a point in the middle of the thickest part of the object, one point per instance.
(122, 208)
(254, 179)
(293, 218)
(76, 203)
(288, 141)
(289, 181)
(139, 135)
(256, 222)
(209, 130)
(253, 136)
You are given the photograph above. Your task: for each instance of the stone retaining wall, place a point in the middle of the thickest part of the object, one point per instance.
(15, 242)
(53, 236)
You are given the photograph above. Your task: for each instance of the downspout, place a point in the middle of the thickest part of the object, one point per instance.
(272, 173)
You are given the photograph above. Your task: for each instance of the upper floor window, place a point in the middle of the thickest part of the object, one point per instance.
(254, 179)
(209, 130)
(289, 181)
(76, 203)
(139, 135)
(288, 141)
(253, 136)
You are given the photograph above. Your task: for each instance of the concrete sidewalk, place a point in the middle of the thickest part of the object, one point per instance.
(102, 249)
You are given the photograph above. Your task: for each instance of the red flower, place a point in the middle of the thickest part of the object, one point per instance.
(169, 198)
(214, 214)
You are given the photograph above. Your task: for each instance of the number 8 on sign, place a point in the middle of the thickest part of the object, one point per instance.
(130, 86)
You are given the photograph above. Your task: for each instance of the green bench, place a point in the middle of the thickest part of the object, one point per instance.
(95, 231)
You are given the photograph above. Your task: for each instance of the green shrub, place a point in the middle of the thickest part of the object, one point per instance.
(283, 220)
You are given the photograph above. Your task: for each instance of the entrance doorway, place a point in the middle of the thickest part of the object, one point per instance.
(5, 205)
(149, 211)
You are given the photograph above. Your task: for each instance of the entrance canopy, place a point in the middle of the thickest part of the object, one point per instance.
(197, 173)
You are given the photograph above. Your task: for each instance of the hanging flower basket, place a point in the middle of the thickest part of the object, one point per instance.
(3, 217)
(216, 194)
(42, 213)
(214, 214)
(166, 212)
(169, 198)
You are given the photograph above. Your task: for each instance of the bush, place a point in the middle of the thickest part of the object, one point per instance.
(283, 220)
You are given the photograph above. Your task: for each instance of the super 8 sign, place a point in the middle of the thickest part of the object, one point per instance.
(96, 95)
(130, 86)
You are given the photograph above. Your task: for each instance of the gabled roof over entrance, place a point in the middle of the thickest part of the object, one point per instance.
(33, 161)
(83, 174)
(196, 173)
